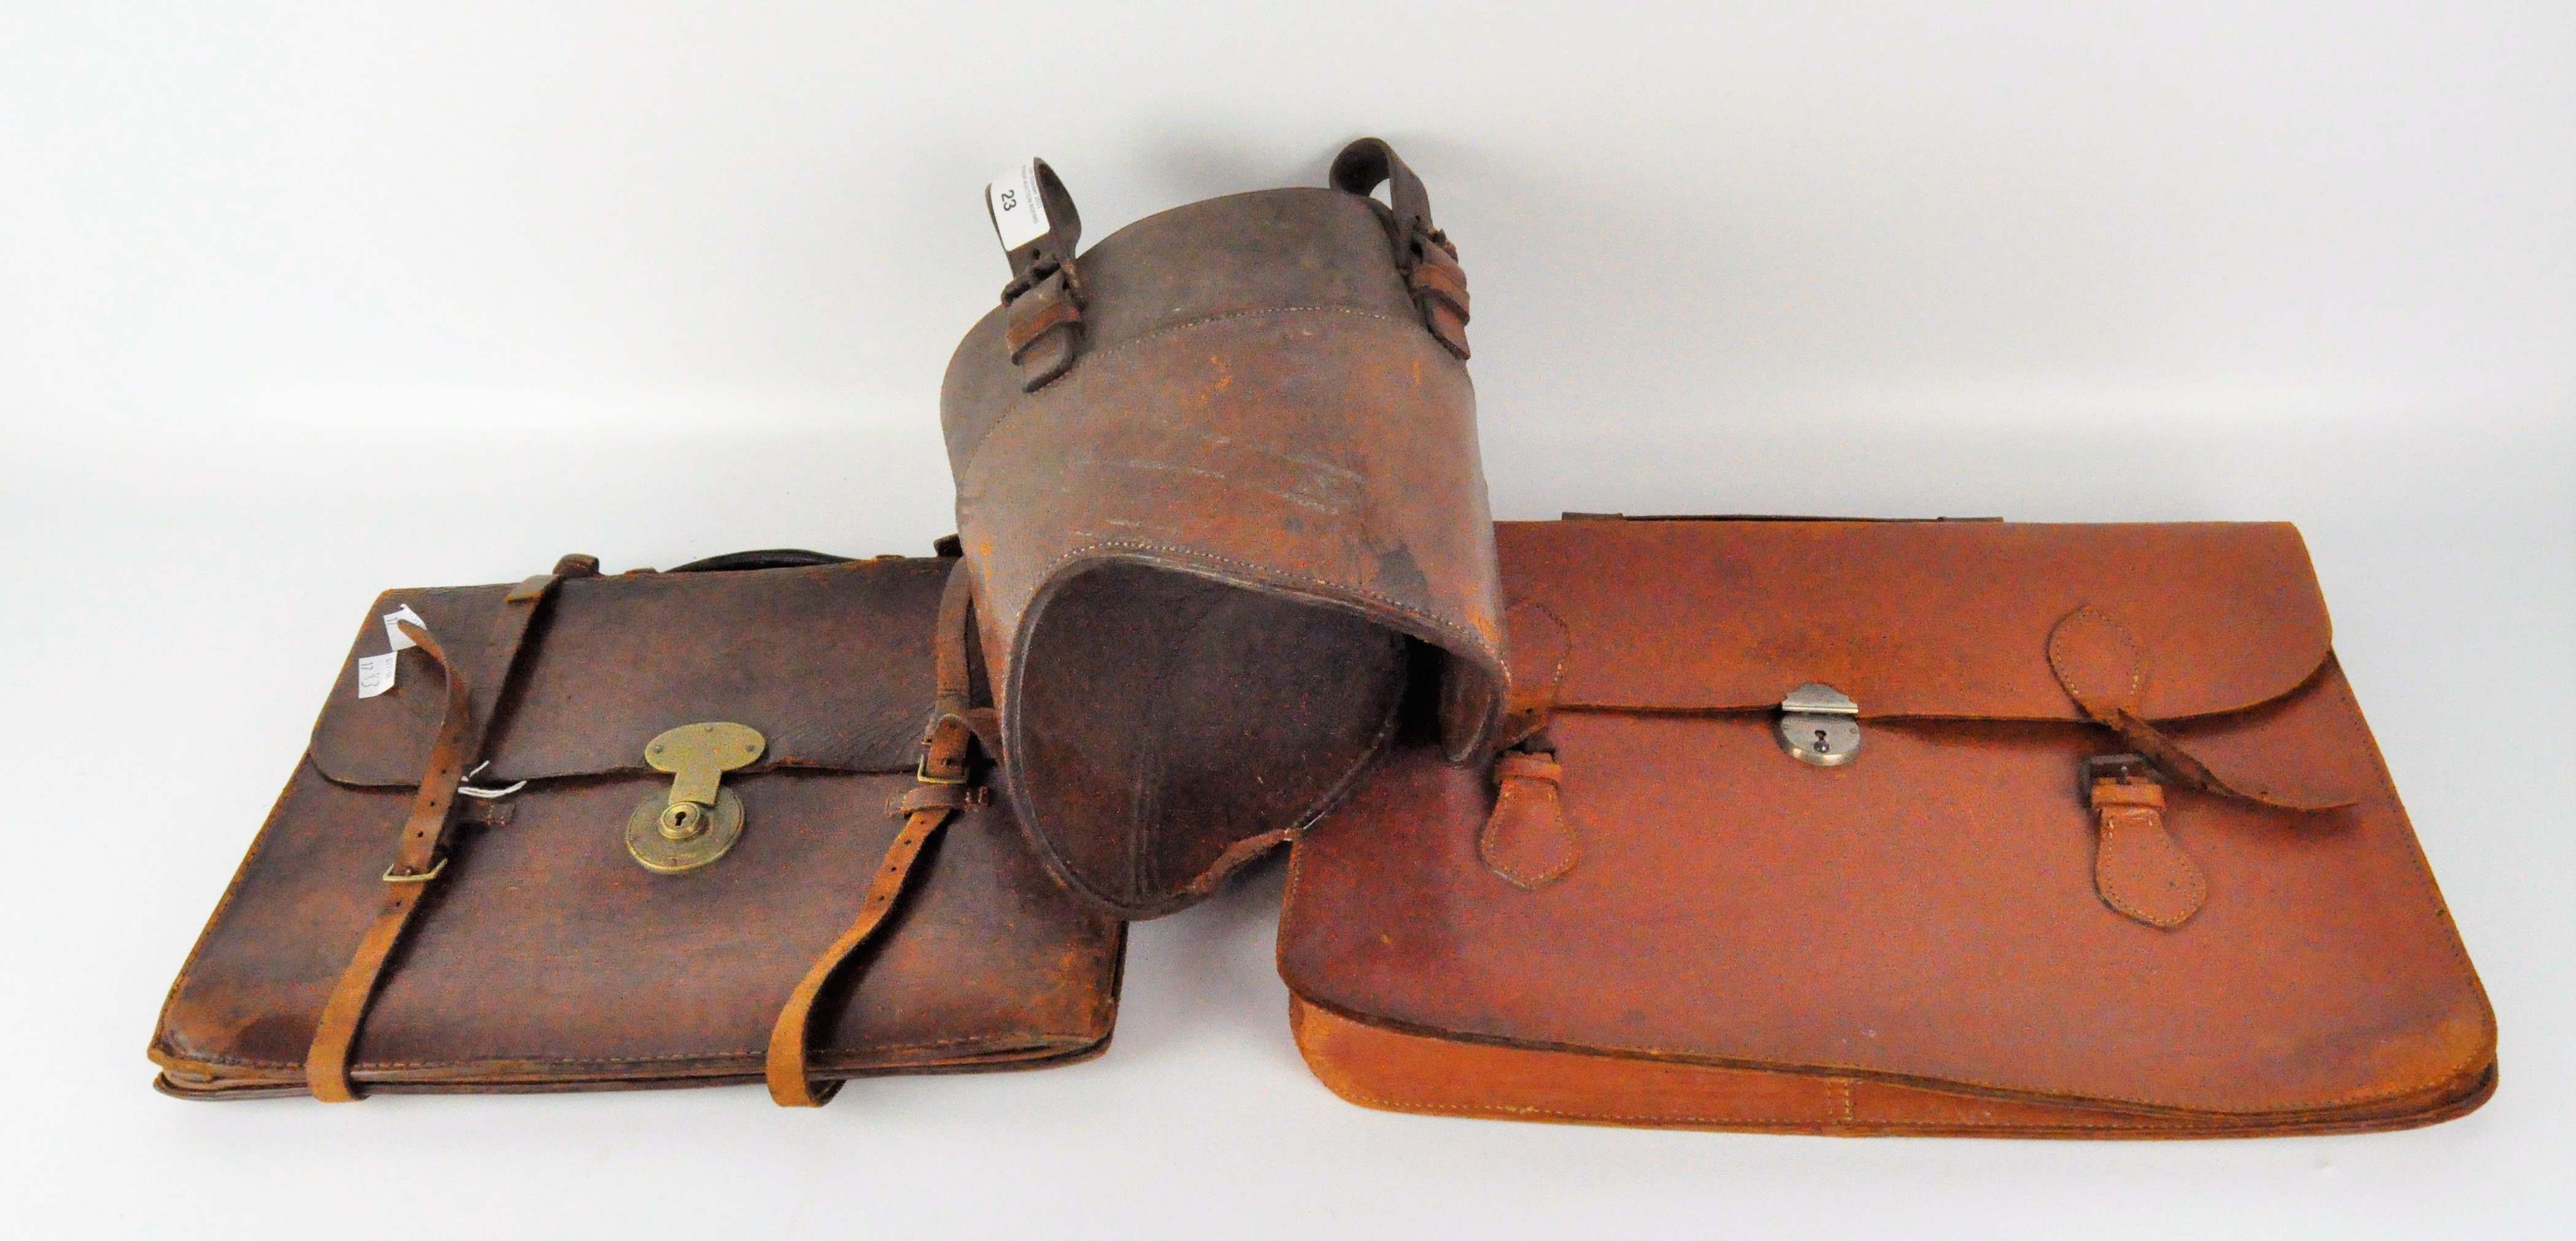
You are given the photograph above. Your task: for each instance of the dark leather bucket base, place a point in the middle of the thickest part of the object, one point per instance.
(1148, 695)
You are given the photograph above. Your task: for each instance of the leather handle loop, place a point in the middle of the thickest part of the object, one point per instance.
(1423, 254)
(1369, 163)
(765, 558)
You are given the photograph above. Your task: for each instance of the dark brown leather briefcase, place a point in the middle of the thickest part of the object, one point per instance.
(1836, 827)
(1218, 484)
(645, 830)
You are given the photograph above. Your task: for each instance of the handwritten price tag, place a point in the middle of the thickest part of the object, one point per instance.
(376, 673)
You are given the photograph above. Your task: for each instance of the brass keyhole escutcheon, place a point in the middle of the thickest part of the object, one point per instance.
(683, 821)
(698, 819)
(1820, 725)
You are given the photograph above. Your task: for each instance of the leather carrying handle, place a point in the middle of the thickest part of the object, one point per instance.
(767, 558)
(1369, 163)
(1423, 253)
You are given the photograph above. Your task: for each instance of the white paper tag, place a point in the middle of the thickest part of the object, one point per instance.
(394, 634)
(376, 673)
(1019, 215)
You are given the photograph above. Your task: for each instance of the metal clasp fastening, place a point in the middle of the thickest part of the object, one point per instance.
(699, 819)
(2119, 768)
(1820, 725)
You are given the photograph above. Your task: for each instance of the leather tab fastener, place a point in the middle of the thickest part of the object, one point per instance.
(1526, 840)
(2138, 867)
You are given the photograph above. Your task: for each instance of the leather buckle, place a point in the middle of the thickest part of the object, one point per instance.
(921, 772)
(2123, 768)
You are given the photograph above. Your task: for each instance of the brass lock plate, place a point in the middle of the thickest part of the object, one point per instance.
(1820, 725)
(699, 819)
(705, 835)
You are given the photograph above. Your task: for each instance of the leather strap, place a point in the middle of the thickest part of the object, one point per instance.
(2138, 867)
(1422, 252)
(420, 855)
(943, 790)
(2103, 667)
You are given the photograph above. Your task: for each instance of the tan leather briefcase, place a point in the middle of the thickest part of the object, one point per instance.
(646, 830)
(1218, 483)
(1838, 827)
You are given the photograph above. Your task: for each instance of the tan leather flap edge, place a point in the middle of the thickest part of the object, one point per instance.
(831, 663)
(1910, 619)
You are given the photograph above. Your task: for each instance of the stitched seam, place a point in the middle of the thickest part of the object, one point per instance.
(2109, 820)
(2137, 701)
(1485, 847)
(1565, 652)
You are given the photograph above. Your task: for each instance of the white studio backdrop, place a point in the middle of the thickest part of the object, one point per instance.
(298, 303)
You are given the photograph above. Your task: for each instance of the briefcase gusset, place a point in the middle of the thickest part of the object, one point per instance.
(1967, 828)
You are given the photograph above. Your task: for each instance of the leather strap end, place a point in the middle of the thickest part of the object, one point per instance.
(2139, 869)
(785, 1067)
(1526, 840)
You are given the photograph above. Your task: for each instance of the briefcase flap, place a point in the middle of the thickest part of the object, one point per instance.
(1661, 873)
(1932, 620)
(831, 664)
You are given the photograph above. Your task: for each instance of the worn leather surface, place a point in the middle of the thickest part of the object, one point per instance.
(546, 958)
(1906, 620)
(1928, 915)
(1204, 545)
(613, 655)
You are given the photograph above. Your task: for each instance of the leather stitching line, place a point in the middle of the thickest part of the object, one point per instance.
(2110, 820)
(1519, 878)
